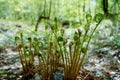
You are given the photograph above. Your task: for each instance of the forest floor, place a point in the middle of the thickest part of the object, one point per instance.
(103, 64)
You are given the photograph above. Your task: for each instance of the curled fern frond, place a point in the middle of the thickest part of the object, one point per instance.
(60, 38)
(98, 17)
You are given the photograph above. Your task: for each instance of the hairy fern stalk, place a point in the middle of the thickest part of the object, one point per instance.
(56, 51)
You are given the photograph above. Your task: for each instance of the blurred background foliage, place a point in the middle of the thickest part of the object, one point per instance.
(72, 11)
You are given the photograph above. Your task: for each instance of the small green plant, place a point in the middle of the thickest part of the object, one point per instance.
(48, 58)
(47, 53)
(73, 57)
(26, 55)
(56, 51)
